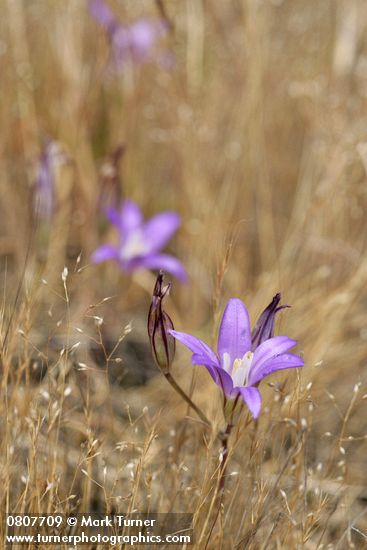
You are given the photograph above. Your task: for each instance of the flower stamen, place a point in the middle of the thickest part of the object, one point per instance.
(241, 369)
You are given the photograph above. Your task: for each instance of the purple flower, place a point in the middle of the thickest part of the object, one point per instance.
(44, 198)
(134, 43)
(237, 367)
(140, 242)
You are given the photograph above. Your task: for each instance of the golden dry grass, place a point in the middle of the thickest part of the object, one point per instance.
(258, 139)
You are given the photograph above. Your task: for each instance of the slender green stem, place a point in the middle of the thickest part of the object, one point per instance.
(186, 398)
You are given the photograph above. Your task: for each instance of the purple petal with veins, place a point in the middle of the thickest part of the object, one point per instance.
(252, 398)
(234, 332)
(205, 356)
(274, 364)
(271, 348)
(199, 348)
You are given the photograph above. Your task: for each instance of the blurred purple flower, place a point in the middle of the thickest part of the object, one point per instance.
(140, 242)
(134, 43)
(237, 367)
(44, 197)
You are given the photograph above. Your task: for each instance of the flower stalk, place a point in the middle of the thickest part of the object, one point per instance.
(162, 343)
(186, 398)
(224, 437)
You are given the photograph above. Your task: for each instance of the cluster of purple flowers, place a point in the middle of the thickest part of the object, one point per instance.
(243, 357)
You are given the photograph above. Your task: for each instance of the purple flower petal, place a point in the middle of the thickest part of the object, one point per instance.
(271, 348)
(252, 398)
(136, 42)
(102, 14)
(161, 261)
(220, 376)
(203, 354)
(143, 35)
(281, 362)
(113, 216)
(130, 216)
(224, 381)
(159, 229)
(104, 252)
(234, 332)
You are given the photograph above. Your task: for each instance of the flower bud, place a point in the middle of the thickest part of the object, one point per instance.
(264, 328)
(159, 323)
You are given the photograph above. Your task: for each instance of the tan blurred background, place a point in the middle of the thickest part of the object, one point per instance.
(257, 137)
